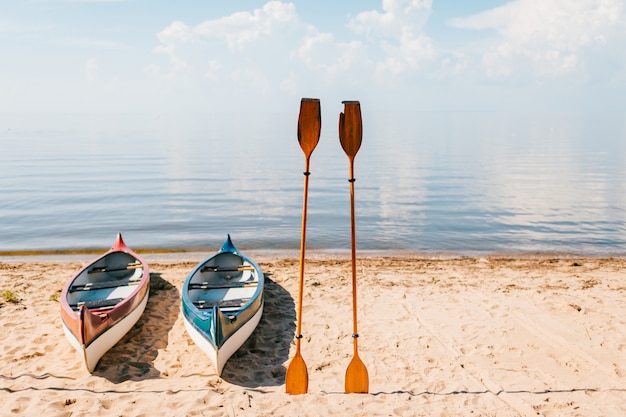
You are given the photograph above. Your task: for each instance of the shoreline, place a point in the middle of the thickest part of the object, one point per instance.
(191, 254)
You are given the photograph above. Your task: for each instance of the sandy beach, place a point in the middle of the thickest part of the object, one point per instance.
(440, 336)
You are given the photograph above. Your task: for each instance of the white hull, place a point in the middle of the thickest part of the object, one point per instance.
(219, 357)
(104, 342)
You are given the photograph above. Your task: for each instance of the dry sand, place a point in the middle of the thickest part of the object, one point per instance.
(493, 336)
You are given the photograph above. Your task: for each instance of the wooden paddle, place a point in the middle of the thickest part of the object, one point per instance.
(309, 126)
(350, 136)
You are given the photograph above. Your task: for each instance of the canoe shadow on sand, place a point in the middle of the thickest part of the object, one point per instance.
(260, 360)
(132, 358)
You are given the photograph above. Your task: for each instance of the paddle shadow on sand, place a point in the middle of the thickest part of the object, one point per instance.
(260, 360)
(132, 358)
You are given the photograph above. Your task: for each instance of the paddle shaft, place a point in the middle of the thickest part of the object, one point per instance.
(302, 252)
(297, 378)
(355, 332)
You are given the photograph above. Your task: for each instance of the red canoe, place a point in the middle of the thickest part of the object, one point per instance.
(101, 303)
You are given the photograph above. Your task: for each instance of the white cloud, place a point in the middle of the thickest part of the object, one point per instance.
(399, 17)
(270, 54)
(273, 36)
(242, 28)
(550, 37)
(409, 56)
(176, 34)
(232, 44)
(397, 37)
(238, 30)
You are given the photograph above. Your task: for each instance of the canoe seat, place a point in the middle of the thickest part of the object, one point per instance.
(97, 304)
(102, 284)
(132, 265)
(237, 302)
(218, 285)
(217, 268)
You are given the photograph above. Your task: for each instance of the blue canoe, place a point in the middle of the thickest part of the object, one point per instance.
(222, 303)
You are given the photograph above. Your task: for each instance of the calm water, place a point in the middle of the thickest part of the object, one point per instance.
(440, 182)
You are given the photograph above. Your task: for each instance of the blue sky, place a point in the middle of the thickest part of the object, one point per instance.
(171, 56)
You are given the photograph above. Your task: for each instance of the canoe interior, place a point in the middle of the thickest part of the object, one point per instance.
(113, 277)
(207, 287)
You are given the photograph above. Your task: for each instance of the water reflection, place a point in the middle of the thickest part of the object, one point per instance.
(456, 182)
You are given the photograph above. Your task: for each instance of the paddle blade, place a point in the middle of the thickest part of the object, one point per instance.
(297, 378)
(351, 128)
(309, 124)
(357, 379)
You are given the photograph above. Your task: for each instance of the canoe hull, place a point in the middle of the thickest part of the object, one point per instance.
(219, 357)
(222, 303)
(103, 301)
(93, 352)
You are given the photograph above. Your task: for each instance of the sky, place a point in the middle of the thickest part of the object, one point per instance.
(392, 55)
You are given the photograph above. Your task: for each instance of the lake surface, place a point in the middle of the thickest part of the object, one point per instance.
(460, 183)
